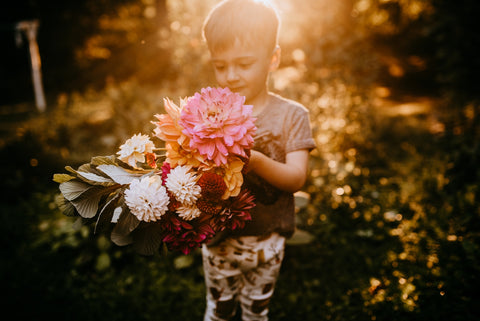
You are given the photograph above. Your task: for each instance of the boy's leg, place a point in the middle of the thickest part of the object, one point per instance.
(244, 269)
(223, 283)
(259, 282)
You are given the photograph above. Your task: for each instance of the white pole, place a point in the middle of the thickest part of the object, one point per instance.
(30, 28)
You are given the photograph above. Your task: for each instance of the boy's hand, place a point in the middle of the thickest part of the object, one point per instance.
(289, 176)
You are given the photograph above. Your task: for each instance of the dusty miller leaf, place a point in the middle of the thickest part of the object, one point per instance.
(83, 196)
(118, 174)
(125, 225)
(121, 239)
(84, 168)
(147, 240)
(106, 213)
(65, 206)
(62, 178)
(87, 206)
(73, 189)
(103, 160)
(95, 179)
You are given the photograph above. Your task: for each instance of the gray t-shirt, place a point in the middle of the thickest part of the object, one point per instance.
(282, 127)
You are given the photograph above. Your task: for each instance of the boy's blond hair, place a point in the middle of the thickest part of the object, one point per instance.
(252, 22)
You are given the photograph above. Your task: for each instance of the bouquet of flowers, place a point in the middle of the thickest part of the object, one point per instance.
(182, 198)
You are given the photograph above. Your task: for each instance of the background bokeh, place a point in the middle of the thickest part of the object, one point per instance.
(392, 226)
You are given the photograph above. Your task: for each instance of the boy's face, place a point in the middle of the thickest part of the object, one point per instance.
(244, 69)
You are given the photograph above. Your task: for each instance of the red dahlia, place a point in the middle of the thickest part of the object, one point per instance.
(235, 213)
(213, 186)
(173, 204)
(189, 236)
(171, 222)
(209, 206)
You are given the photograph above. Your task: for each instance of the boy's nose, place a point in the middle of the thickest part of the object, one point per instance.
(232, 74)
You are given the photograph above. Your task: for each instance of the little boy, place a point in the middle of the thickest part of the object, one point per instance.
(242, 39)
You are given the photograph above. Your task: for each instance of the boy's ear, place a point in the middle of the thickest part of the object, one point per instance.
(275, 60)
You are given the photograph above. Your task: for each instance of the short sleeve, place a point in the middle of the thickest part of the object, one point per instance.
(298, 130)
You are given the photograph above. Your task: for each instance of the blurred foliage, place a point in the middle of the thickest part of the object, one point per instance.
(394, 183)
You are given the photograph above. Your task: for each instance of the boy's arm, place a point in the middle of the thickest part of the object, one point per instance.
(289, 176)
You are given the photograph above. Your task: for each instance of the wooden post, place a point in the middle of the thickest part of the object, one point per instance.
(30, 29)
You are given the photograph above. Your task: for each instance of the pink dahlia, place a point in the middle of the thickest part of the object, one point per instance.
(218, 124)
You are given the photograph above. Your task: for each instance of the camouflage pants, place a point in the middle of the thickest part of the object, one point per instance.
(242, 270)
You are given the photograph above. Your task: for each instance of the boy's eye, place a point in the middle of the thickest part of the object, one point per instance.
(245, 65)
(219, 67)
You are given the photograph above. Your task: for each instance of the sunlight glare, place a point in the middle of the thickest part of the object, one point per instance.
(150, 12)
(298, 55)
(452, 238)
(340, 191)
(362, 5)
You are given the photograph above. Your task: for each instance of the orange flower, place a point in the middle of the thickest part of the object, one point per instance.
(177, 156)
(167, 128)
(233, 177)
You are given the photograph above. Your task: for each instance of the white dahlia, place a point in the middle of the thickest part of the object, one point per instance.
(134, 149)
(147, 199)
(189, 212)
(183, 185)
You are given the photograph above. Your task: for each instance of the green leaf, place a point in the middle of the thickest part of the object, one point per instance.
(118, 174)
(62, 178)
